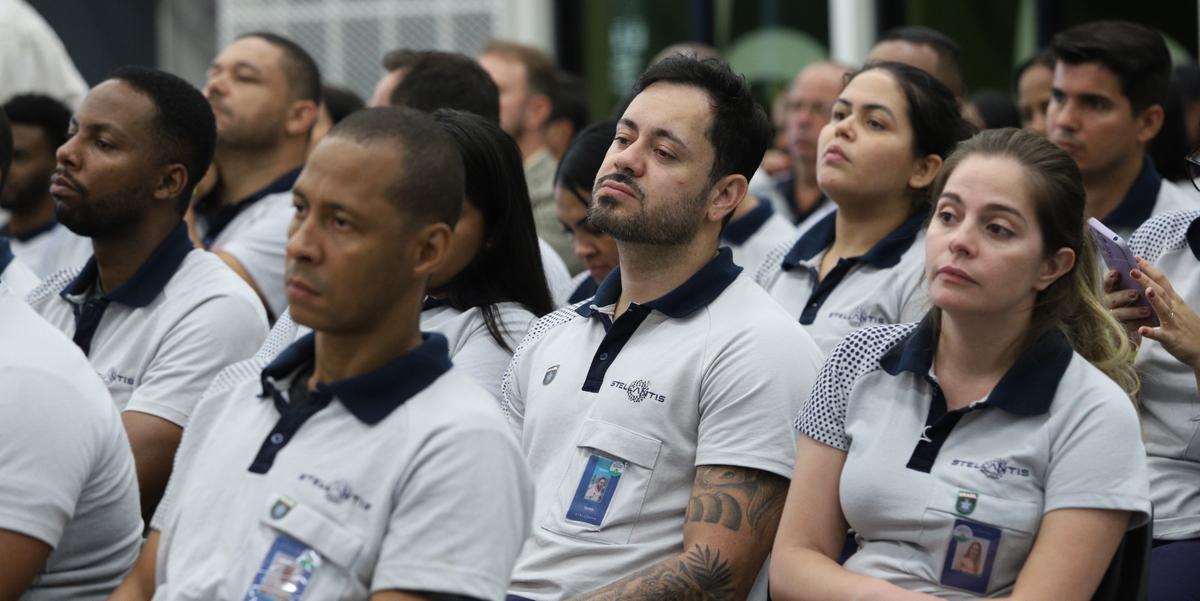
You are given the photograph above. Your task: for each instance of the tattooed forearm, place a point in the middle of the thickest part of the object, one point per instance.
(737, 498)
(700, 575)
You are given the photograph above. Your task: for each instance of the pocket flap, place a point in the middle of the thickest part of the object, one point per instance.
(309, 526)
(1022, 516)
(631, 446)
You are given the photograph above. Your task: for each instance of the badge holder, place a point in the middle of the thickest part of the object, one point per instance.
(596, 488)
(970, 556)
(287, 568)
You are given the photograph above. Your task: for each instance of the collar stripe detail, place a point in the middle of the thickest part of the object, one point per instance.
(1139, 201)
(739, 231)
(222, 217)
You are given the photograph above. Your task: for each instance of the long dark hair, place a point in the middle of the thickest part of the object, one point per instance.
(508, 267)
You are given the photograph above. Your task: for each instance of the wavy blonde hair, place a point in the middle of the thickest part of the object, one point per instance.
(1072, 303)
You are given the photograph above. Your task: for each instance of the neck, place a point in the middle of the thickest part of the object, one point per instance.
(530, 142)
(343, 355)
(120, 254)
(650, 271)
(859, 226)
(805, 188)
(976, 347)
(245, 172)
(37, 217)
(1107, 188)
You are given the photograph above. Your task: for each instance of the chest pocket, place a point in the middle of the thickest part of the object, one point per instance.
(599, 444)
(1018, 522)
(337, 546)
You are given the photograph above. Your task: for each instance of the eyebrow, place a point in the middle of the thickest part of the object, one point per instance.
(237, 65)
(102, 127)
(657, 132)
(870, 106)
(993, 207)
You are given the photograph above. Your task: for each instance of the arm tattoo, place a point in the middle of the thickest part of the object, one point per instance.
(701, 575)
(736, 497)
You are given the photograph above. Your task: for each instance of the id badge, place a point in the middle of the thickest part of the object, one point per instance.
(285, 571)
(595, 491)
(970, 556)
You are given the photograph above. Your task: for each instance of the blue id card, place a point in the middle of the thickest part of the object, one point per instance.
(285, 571)
(595, 490)
(970, 556)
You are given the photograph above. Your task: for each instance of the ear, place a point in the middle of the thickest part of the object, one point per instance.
(725, 196)
(171, 182)
(924, 170)
(537, 111)
(1149, 122)
(302, 115)
(1054, 267)
(428, 250)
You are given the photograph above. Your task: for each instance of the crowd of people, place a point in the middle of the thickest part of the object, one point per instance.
(266, 342)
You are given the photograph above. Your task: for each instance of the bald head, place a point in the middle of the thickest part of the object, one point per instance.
(926, 49)
(807, 108)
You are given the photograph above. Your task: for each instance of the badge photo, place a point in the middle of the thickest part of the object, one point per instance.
(285, 571)
(970, 556)
(595, 491)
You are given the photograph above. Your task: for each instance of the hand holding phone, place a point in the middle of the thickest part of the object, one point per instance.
(1117, 257)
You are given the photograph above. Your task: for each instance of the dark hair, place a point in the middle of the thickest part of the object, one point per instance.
(933, 111)
(43, 112)
(1170, 145)
(1135, 54)
(948, 51)
(6, 148)
(1187, 77)
(340, 102)
(1043, 58)
(996, 108)
(740, 131)
(540, 73)
(508, 267)
(448, 80)
(185, 129)
(299, 69)
(578, 168)
(1070, 304)
(428, 185)
(400, 58)
(571, 103)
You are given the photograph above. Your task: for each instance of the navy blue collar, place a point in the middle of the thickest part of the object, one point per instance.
(585, 290)
(6, 254)
(31, 234)
(148, 281)
(1139, 201)
(372, 396)
(1026, 389)
(886, 253)
(740, 230)
(432, 303)
(702, 288)
(1193, 237)
(219, 219)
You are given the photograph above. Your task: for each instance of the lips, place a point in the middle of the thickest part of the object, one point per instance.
(617, 183)
(63, 186)
(834, 153)
(298, 289)
(955, 275)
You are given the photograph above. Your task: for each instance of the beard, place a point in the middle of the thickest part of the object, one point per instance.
(102, 216)
(22, 200)
(671, 222)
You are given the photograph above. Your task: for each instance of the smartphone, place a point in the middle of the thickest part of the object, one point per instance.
(1117, 257)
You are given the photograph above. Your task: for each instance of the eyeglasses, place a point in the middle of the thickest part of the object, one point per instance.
(1193, 167)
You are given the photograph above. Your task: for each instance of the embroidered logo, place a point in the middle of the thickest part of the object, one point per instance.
(549, 376)
(638, 391)
(112, 376)
(859, 316)
(337, 491)
(966, 502)
(994, 469)
(281, 508)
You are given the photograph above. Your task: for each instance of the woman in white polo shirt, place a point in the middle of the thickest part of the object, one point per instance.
(572, 193)
(891, 127)
(1001, 422)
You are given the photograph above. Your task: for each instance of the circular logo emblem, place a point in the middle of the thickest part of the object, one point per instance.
(338, 491)
(637, 390)
(963, 533)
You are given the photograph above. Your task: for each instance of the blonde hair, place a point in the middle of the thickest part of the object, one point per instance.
(1071, 304)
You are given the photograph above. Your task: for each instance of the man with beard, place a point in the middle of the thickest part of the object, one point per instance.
(677, 382)
(265, 91)
(13, 273)
(1106, 105)
(39, 126)
(157, 317)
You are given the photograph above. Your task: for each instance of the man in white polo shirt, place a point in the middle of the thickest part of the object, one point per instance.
(69, 526)
(675, 382)
(359, 463)
(157, 317)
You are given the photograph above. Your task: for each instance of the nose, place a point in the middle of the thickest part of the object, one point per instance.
(843, 128)
(214, 85)
(582, 245)
(629, 159)
(1062, 114)
(67, 155)
(303, 242)
(961, 240)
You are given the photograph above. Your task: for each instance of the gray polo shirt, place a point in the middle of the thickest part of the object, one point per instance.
(708, 374)
(885, 285)
(922, 485)
(1170, 401)
(404, 478)
(66, 471)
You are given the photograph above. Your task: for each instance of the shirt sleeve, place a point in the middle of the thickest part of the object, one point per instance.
(260, 249)
(217, 333)
(823, 417)
(460, 521)
(482, 358)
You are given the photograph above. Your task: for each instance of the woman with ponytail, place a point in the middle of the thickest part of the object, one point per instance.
(999, 431)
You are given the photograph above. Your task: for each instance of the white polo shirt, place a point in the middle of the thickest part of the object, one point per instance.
(708, 374)
(13, 272)
(163, 335)
(885, 285)
(53, 248)
(1169, 400)
(66, 471)
(921, 485)
(404, 478)
(1149, 195)
(753, 236)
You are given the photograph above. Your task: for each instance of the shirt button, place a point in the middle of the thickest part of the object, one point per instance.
(276, 438)
(604, 356)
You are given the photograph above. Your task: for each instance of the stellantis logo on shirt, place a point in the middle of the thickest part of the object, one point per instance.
(337, 491)
(859, 316)
(638, 391)
(994, 469)
(113, 376)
